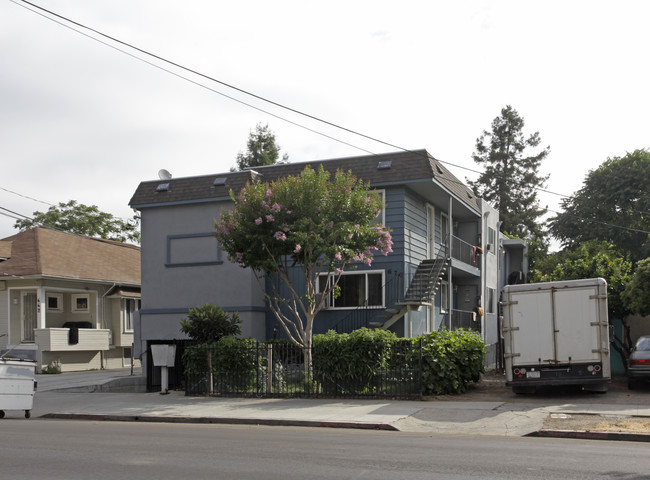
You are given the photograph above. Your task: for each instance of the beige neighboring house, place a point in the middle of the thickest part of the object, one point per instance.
(68, 300)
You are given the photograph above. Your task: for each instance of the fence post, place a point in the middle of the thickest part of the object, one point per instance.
(211, 377)
(420, 370)
(269, 369)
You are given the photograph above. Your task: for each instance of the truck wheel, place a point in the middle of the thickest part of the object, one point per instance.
(2, 414)
(28, 413)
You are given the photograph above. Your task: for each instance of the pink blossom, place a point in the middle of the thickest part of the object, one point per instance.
(331, 224)
(270, 218)
(280, 236)
(368, 261)
(276, 207)
(239, 255)
(338, 256)
(297, 249)
(338, 271)
(258, 221)
(289, 212)
(268, 193)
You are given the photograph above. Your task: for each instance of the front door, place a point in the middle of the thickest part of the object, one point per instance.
(30, 316)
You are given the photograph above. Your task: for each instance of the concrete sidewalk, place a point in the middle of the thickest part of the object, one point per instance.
(112, 395)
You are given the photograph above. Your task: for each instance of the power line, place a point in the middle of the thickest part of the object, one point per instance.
(240, 90)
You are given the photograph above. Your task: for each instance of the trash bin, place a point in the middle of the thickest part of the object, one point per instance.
(17, 385)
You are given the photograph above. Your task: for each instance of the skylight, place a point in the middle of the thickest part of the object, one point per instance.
(384, 165)
(219, 181)
(162, 187)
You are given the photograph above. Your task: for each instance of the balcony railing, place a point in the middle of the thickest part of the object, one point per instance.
(465, 252)
(59, 339)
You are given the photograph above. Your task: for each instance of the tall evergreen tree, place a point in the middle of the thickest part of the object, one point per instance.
(510, 177)
(261, 149)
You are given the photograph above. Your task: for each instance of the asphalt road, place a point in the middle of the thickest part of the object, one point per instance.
(55, 449)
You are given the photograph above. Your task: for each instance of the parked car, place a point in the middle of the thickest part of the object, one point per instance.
(638, 365)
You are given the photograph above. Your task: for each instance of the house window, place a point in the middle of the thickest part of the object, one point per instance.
(381, 218)
(355, 290)
(131, 305)
(80, 303)
(444, 297)
(491, 240)
(490, 300)
(54, 302)
(444, 229)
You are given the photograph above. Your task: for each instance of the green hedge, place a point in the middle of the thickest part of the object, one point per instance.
(450, 360)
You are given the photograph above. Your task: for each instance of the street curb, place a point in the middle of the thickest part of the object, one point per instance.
(217, 420)
(585, 435)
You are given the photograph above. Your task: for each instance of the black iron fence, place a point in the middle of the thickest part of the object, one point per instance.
(282, 370)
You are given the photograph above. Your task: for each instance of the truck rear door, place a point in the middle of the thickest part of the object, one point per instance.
(575, 316)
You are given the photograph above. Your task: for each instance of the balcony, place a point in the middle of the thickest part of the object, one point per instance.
(465, 252)
(60, 339)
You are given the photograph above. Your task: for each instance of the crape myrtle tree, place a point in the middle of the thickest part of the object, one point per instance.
(315, 223)
(510, 177)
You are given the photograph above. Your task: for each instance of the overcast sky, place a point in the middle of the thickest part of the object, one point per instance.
(82, 120)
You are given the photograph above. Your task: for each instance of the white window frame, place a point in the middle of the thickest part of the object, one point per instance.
(491, 242)
(73, 303)
(59, 302)
(444, 296)
(128, 314)
(382, 216)
(331, 301)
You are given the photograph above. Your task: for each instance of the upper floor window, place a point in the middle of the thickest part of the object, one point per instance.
(491, 240)
(355, 289)
(381, 218)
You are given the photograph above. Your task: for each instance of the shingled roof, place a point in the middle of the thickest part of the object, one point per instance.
(45, 252)
(399, 168)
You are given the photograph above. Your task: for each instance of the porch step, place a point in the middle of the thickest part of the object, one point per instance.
(25, 354)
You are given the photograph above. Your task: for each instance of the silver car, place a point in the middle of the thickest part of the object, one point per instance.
(638, 365)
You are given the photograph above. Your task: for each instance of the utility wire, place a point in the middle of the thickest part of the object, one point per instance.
(240, 90)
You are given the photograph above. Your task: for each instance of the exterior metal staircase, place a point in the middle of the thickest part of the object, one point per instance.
(420, 292)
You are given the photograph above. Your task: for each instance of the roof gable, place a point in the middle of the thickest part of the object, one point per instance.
(45, 252)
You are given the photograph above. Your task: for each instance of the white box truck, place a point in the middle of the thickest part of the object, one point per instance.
(556, 333)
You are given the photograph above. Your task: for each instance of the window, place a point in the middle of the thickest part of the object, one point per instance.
(444, 228)
(355, 290)
(491, 240)
(131, 305)
(444, 297)
(381, 218)
(490, 300)
(80, 303)
(54, 302)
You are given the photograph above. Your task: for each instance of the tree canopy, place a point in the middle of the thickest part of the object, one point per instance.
(317, 224)
(613, 205)
(590, 259)
(510, 177)
(261, 149)
(636, 295)
(82, 219)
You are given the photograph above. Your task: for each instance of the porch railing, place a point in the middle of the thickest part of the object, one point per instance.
(457, 319)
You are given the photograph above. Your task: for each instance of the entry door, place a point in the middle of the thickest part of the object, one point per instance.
(30, 316)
